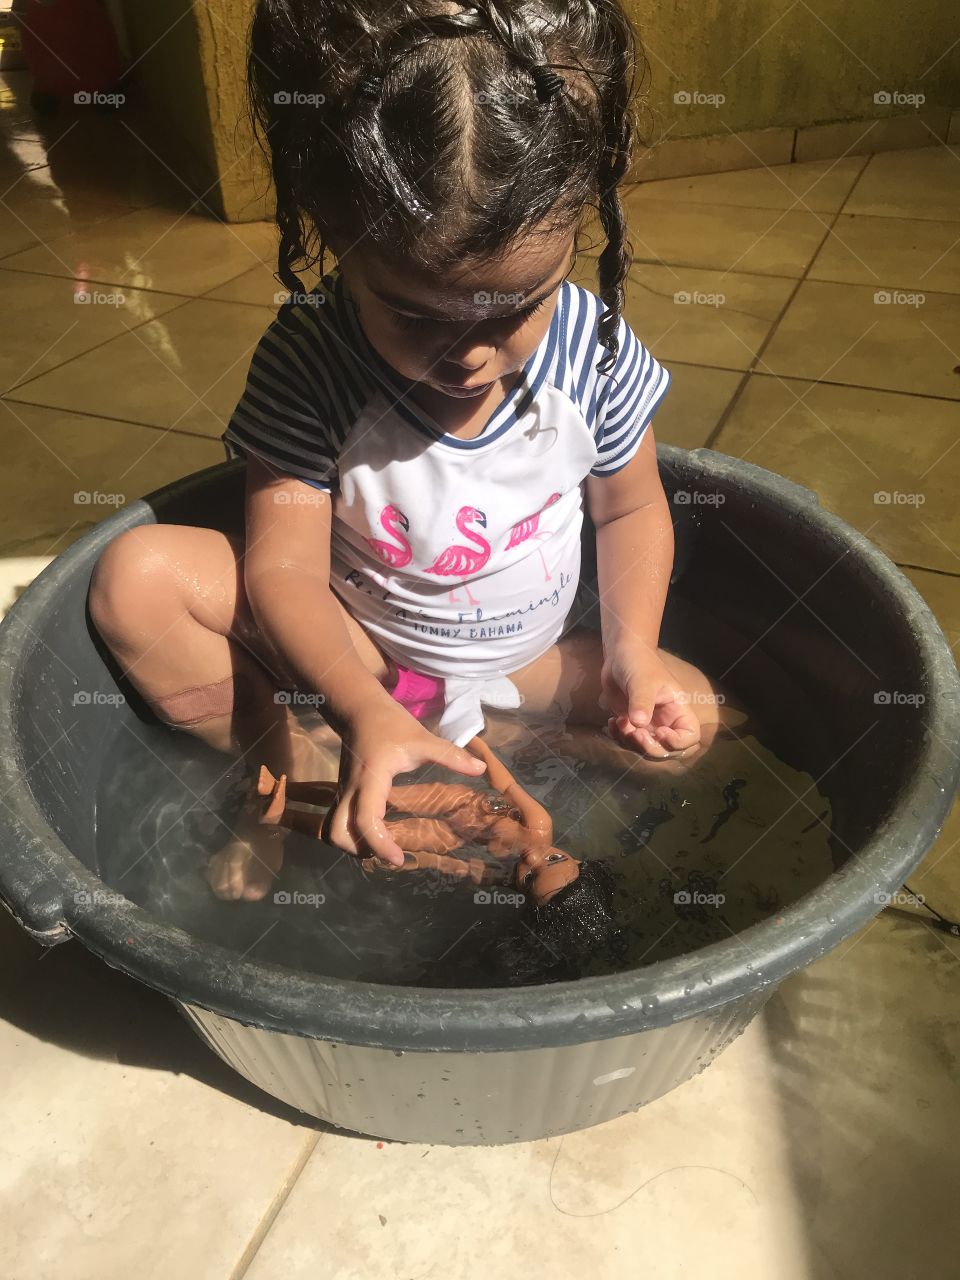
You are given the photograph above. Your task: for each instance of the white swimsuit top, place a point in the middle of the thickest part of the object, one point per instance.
(460, 558)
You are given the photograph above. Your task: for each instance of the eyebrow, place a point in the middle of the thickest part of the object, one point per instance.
(414, 309)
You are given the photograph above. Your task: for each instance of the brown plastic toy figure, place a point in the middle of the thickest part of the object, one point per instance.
(445, 817)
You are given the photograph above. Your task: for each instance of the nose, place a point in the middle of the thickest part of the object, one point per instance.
(472, 350)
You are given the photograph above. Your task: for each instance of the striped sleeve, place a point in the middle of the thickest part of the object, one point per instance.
(285, 415)
(627, 398)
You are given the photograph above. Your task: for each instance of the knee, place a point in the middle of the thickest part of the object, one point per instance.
(130, 581)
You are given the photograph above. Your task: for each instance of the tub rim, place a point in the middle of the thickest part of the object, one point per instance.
(39, 876)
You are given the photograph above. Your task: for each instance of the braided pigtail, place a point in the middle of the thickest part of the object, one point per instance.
(617, 126)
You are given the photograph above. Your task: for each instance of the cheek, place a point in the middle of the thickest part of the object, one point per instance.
(405, 350)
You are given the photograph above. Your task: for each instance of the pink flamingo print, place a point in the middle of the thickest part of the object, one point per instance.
(395, 556)
(524, 530)
(458, 561)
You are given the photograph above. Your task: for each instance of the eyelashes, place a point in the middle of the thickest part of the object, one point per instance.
(409, 322)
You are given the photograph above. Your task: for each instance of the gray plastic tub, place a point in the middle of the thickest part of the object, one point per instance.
(761, 569)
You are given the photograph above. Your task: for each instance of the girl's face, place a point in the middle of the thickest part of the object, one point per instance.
(460, 335)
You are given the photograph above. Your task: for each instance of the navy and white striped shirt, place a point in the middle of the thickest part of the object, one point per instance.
(460, 558)
(313, 372)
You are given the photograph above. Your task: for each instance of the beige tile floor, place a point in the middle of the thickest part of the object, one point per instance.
(822, 1145)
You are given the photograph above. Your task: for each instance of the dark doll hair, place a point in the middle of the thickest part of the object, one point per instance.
(554, 942)
(446, 136)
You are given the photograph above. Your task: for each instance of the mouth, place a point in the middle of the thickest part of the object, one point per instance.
(462, 392)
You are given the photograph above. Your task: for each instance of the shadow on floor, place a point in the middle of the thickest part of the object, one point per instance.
(865, 1048)
(66, 996)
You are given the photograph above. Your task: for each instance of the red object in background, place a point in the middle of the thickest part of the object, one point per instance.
(70, 46)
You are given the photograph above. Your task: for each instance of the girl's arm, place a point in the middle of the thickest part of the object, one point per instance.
(287, 583)
(634, 561)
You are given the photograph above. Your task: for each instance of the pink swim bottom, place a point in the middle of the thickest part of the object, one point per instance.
(421, 695)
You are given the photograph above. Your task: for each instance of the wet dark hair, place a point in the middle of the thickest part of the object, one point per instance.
(446, 136)
(553, 943)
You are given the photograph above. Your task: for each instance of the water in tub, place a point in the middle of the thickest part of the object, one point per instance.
(698, 857)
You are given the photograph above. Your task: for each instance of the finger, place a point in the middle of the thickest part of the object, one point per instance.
(677, 719)
(683, 732)
(633, 699)
(337, 829)
(677, 741)
(647, 700)
(456, 758)
(640, 740)
(370, 829)
(650, 746)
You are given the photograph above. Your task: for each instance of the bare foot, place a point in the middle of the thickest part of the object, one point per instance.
(246, 867)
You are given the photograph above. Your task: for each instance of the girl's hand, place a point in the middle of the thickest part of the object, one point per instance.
(651, 711)
(378, 745)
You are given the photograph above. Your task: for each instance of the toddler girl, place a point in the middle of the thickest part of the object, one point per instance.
(421, 430)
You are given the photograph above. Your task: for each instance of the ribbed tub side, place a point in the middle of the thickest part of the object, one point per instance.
(474, 1099)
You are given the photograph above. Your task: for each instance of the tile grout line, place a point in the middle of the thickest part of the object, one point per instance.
(772, 208)
(106, 417)
(797, 377)
(725, 416)
(136, 288)
(127, 328)
(83, 226)
(925, 568)
(262, 1229)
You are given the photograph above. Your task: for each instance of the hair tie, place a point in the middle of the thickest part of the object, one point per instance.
(547, 81)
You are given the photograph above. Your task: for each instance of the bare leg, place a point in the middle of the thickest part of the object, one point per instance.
(169, 603)
(563, 686)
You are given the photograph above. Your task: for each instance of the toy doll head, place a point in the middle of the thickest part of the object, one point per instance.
(543, 871)
(559, 935)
